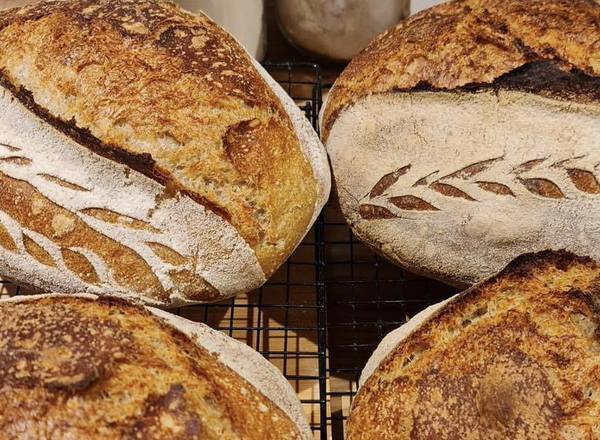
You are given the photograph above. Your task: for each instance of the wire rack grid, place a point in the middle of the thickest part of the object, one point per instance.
(322, 314)
(285, 320)
(367, 297)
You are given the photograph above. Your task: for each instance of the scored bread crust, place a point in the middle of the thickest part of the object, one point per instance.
(455, 185)
(65, 230)
(166, 99)
(469, 42)
(469, 135)
(516, 356)
(271, 394)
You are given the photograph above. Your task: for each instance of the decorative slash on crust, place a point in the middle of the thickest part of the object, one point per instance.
(149, 85)
(469, 134)
(68, 234)
(92, 226)
(583, 180)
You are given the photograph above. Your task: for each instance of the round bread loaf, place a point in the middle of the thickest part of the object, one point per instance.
(144, 153)
(89, 367)
(515, 357)
(337, 29)
(470, 134)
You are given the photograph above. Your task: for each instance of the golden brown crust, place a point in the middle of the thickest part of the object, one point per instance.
(467, 42)
(147, 84)
(517, 356)
(103, 368)
(38, 214)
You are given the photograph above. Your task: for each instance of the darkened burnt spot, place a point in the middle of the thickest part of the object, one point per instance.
(167, 416)
(58, 348)
(143, 163)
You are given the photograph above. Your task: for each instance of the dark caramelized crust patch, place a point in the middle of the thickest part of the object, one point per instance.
(182, 423)
(472, 43)
(546, 78)
(515, 357)
(70, 352)
(82, 368)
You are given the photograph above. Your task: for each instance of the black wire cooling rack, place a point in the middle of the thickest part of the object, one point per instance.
(319, 318)
(285, 320)
(367, 297)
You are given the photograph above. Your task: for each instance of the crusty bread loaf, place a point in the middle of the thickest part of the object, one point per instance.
(337, 30)
(515, 357)
(143, 152)
(87, 367)
(470, 134)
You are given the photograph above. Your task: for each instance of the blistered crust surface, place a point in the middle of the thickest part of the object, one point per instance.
(173, 96)
(517, 356)
(466, 42)
(75, 367)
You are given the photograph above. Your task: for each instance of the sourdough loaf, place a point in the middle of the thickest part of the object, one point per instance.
(470, 134)
(143, 152)
(337, 29)
(517, 356)
(87, 367)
